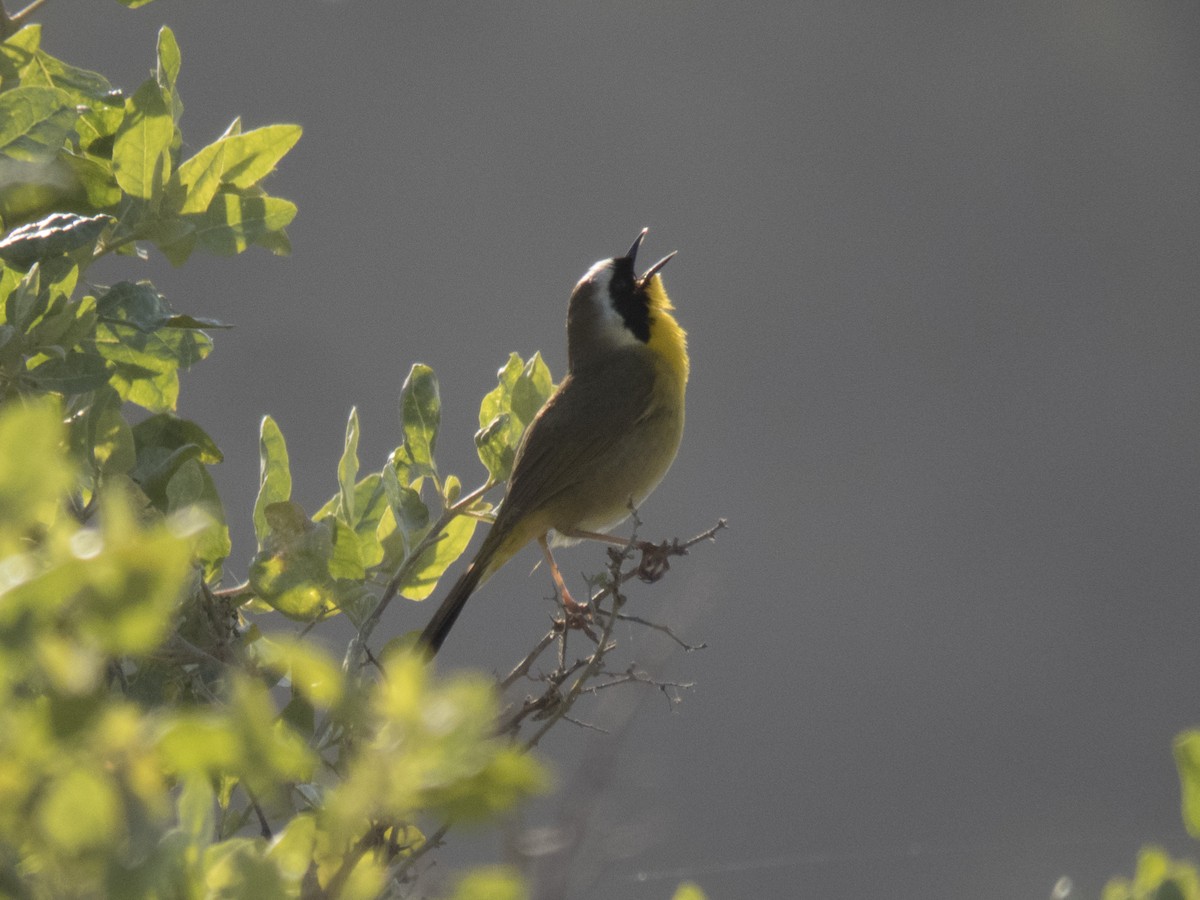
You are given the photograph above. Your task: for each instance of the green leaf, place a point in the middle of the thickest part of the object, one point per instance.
(17, 53)
(251, 156)
(291, 571)
(371, 502)
(311, 672)
(347, 559)
(194, 322)
(1158, 877)
(355, 600)
(75, 373)
(34, 123)
(406, 504)
(200, 178)
(169, 59)
(94, 184)
(101, 437)
(531, 390)
(275, 475)
(164, 443)
(135, 334)
(293, 849)
(234, 221)
(27, 300)
(244, 739)
(65, 322)
(1187, 762)
(80, 811)
(34, 474)
(56, 234)
(172, 433)
(89, 89)
(97, 127)
(522, 389)
(192, 488)
(197, 810)
(348, 470)
(491, 883)
(141, 151)
(434, 560)
(420, 416)
(494, 445)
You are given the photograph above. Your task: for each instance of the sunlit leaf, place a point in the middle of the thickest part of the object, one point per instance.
(191, 487)
(197, 809)
(275, 475)
(55, 234)
(347, 558)
(141, 151)
(310, 671)
(234, 221)
(251, 156)
(420, 415)
(348, 470)
(522, 389)
(80, 811)
(200, 178)
(1187, 762)
(688, 890)
(291, 571)
(34, 122)
(491, 883)
(34, 474)
(169, 59)
(434, 560)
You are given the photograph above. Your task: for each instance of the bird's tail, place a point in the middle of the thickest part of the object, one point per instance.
(498, 547)
(443, 620)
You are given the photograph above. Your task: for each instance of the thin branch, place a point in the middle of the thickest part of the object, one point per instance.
(432, 842)
(11, 24)
(522, 668)
(665, 629)
(264, 827)
(393, 586)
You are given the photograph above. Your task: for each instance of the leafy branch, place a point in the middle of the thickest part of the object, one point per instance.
(162, 730)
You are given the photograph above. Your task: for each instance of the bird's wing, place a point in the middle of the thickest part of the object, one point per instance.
(559, 444)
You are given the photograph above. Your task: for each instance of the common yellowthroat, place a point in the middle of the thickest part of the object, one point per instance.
(603, 440)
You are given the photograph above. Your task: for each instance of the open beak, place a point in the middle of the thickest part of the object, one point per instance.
(654, 269)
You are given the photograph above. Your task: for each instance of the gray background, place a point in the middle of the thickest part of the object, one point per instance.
(938, 264)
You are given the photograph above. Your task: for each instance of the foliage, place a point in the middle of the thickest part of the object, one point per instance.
(1158, 877)
(163, 735)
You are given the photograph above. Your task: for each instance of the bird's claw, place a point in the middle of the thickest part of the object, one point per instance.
(655, 561)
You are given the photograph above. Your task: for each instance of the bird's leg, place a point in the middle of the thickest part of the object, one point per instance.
(580, 534)
(577, 613)
(654, 563)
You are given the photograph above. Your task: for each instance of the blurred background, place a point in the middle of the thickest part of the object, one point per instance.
(938, 264)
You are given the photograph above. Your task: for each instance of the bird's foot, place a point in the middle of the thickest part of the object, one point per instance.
(576, 614)
(656, 559)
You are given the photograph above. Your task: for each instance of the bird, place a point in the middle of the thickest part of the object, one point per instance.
(604, 438)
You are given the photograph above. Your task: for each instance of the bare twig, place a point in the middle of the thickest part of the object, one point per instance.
(522, 668)
(665, 629)
(561, 688)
